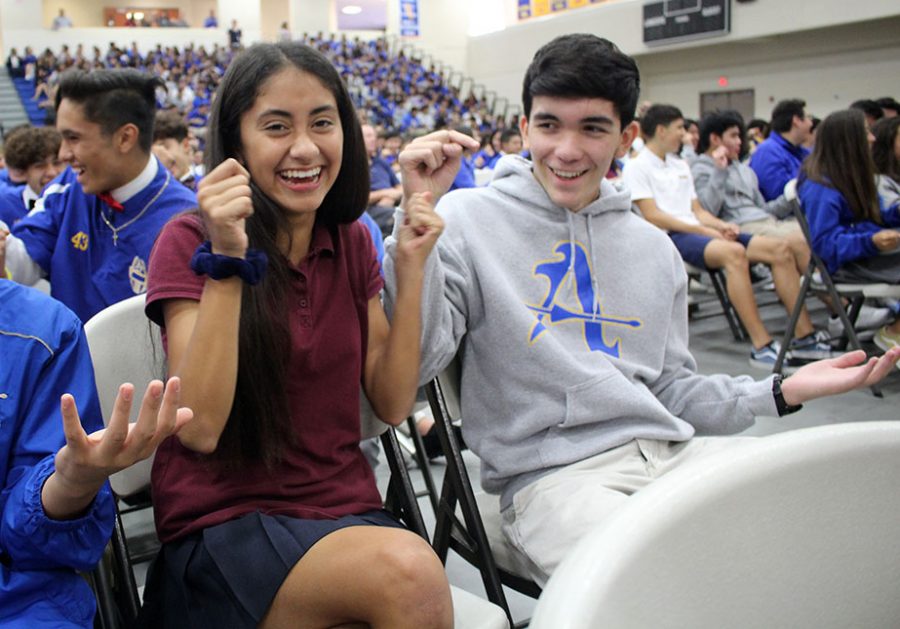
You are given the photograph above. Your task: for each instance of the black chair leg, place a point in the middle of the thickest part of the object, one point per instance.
(805, 283)
(734, 322)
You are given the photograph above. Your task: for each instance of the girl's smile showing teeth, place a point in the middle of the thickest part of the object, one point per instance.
(301, 176)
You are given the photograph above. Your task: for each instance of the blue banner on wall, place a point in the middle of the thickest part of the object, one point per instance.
(524, 9)
(409, 18)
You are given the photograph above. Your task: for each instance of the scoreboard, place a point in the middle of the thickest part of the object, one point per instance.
(670, 21)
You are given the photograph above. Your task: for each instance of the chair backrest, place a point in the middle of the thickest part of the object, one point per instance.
(450, 388)
(800, 215)
(799, 530)
(369, 425)
(125, 348)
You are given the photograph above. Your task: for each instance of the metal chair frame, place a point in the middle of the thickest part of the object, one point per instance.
(467, 536)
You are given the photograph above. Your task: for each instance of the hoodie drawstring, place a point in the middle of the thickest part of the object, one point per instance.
(594, 285)
(570, 274)
(595, 307)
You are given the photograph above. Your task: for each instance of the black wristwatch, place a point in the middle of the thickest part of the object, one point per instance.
(781, 406)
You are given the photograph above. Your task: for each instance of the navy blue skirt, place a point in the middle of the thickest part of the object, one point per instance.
(228, 575)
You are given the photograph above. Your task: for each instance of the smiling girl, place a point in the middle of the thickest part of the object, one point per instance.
(267, 510)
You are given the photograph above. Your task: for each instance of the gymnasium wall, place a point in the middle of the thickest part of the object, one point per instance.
(817, 49)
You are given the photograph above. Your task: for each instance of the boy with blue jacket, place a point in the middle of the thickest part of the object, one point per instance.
(56, 507)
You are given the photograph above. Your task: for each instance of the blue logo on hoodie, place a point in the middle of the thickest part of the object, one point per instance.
(591, 315)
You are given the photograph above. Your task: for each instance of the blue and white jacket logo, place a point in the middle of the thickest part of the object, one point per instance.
(137, 276)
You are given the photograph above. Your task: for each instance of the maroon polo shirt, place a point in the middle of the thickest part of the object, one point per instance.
(326, 474)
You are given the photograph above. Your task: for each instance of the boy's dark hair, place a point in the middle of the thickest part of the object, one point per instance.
(509, 134)
(112, 98)
(718, 122)
(883, 154)
(27, 146)
(759, 123)
(815, 123)
(888, 102)
(583, 66)
(659, 115)
(169, 125)
(784, 112)
(869, 108)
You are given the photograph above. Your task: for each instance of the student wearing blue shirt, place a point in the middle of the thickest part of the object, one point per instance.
(490, 150)
(35, 152)
(855, 234)
(56, 508)
(777, 160)
(198, 118)
(91, 232)
(171, 139)
(385, 188)
(465, 178)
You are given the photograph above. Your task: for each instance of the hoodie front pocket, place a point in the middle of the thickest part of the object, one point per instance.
(591, 401)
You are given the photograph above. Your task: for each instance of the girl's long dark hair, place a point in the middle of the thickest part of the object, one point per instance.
(842, 160)
(883, 153)
(259, 426)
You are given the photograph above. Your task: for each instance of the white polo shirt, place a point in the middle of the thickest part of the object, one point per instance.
(668, 182)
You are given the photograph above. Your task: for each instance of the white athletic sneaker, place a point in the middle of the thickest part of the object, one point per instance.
(887, 340)
(869, 320)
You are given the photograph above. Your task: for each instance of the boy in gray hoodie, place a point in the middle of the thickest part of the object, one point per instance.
(570, 315)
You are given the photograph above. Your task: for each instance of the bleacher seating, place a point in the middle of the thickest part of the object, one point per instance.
(396, 90)
(25, 89)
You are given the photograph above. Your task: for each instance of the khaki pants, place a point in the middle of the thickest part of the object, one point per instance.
(772, 227)
(551, 514)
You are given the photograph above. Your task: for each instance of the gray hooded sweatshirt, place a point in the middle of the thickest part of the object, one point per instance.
(572, 329)
(732, 193)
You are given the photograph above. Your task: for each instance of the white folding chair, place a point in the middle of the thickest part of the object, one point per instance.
(122, 348)
(799, 529)
(125, 348)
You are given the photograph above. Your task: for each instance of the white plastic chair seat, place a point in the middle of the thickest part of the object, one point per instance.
(469, 611)
(870, 291)
(473, 612)
(797, 530)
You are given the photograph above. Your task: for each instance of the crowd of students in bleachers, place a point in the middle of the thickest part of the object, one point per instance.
(398, 91)
(286, 144)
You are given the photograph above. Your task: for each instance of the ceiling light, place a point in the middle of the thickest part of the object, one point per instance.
(351, 9)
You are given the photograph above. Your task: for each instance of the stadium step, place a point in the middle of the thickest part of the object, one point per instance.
(16, 106)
